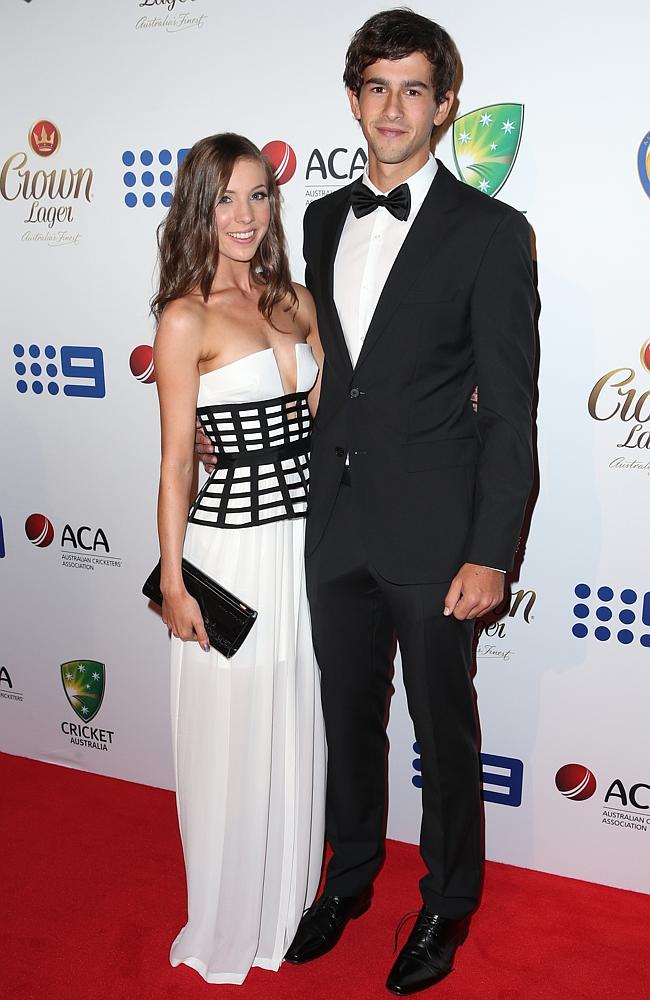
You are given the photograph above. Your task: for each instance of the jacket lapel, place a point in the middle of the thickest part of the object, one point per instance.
(332, 229)
(426, 240)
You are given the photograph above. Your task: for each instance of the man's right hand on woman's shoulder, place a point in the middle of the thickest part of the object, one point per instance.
(204, 448)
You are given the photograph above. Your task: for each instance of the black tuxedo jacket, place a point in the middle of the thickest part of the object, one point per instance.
(435, 483)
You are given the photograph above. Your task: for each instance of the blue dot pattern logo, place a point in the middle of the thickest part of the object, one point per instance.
(78, 370)
(148, 177)
(610, 615)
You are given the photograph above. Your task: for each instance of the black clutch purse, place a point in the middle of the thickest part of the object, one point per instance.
(227, 619)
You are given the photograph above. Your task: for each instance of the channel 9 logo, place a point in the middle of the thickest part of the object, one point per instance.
(502, 778)
(621, 615)
(148, 177)
(79, 371)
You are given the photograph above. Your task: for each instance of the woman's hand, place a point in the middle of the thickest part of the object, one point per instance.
(182, 615)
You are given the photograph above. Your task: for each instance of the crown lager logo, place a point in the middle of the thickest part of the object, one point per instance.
(44, 137)
(486, 143)
(83, 683)
(45, 188)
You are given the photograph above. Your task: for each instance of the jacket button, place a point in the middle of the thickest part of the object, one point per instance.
(354, 393)
(339, 452)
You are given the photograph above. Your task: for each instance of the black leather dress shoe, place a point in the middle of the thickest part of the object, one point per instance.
(323, 923)
(428, 955)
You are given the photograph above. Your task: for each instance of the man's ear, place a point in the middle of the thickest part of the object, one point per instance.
(354, 103)
(444, 108)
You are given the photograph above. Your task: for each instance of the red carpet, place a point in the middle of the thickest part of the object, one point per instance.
(93, 893)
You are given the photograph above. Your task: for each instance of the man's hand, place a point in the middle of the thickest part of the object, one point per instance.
(204, 448)
(474, 591)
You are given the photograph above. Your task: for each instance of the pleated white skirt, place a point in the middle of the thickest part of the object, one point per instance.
(249, 750)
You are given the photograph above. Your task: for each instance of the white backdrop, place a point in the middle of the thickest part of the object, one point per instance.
(91, 134)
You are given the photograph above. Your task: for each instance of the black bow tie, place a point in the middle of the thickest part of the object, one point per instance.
(398, 202)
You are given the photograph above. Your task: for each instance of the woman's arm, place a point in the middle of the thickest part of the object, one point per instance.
(177, 352)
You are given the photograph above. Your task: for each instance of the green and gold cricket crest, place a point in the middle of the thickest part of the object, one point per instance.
(485, 145)
(83, 683)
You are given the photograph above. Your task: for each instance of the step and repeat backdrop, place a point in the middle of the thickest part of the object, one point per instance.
(554, 118)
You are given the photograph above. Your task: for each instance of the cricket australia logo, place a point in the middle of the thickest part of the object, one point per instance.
(83, 683)
(486, 143)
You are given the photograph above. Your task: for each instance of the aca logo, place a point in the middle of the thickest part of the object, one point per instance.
(148, 176)
(643, 163)
(7, 690)
(619, 395)
(330, 169)
(84, 682)
(502, 778)
(615, 614)
(78, 370)
(576, 782)
(141, 364)
(81, 548)
(50, 194)
(485, 145)
(282, 159)
(624, 805)
(39, 530)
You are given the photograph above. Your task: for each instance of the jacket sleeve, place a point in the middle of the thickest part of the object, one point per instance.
(503, 332)
(306, 249)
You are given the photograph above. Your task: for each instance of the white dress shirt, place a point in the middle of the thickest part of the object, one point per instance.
(366, 254)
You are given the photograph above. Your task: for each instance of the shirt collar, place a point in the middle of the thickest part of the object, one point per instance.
(418, 183)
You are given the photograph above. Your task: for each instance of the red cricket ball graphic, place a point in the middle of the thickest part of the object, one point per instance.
(576, 782)
(40, 530)
(141, 364)
(282, 158)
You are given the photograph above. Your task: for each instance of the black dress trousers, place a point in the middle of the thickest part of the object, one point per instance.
(354, 614)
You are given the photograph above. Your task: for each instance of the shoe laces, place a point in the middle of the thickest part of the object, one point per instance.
(425, 921)
(407, 916)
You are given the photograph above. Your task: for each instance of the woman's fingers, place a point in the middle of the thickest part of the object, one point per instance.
(186, 622)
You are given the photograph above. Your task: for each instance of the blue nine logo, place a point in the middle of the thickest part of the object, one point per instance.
(502, 778)
(611, 611)
(148, 176)
(79, 370)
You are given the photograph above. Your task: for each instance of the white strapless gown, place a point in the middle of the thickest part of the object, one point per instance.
(248, 736)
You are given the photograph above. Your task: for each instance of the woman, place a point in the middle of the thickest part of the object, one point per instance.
(237, 345)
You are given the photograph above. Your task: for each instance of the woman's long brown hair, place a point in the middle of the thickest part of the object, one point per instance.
(188, 245)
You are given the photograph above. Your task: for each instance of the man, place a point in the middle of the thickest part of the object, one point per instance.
(424, 288)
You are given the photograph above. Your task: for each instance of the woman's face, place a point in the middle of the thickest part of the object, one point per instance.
(243, 212)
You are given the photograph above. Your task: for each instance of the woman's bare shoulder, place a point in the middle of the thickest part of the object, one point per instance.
(181, 329)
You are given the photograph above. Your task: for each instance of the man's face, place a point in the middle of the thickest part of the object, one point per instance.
(396, 108)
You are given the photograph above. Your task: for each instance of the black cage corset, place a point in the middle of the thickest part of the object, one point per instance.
(262, 471)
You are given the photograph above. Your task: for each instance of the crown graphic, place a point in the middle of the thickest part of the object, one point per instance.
(44, 141)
